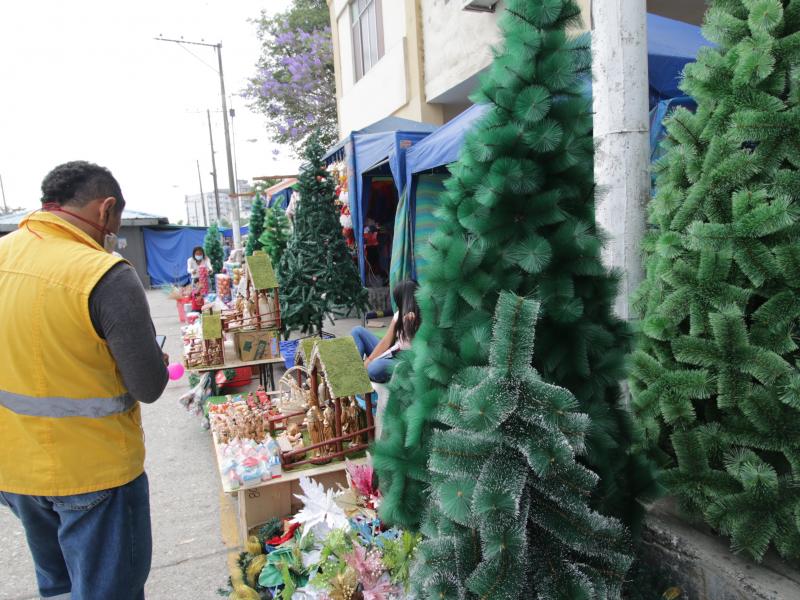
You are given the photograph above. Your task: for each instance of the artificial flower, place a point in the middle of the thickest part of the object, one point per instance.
(320, 513)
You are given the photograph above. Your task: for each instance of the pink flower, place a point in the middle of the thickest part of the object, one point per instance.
(361, 477)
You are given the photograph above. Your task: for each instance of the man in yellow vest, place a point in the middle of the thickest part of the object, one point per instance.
(78, 354)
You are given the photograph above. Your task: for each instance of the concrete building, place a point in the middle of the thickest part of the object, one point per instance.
(420, 59)
(131, 238)
(194, 206)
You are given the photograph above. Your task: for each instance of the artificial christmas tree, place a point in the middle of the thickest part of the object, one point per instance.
(212, 245)
(317, 272)
(509, 516)
(276, 234)
(715, 385)
(518, 215)
(256, 227)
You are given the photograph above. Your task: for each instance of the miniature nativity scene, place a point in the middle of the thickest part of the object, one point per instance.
(249, 324)
(322, 412)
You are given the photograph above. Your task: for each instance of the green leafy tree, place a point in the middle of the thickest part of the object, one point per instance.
(276, 234)
(212, 244)
(317, 272)
(256, 227)
(716, 387)
(518, 215)
(509, 515)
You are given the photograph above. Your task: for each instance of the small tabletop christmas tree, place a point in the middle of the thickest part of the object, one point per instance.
(518, 215)
(508, 514)
(256, 226)
(317, 272)
(276, 234)
(716, 385)
(213, 247)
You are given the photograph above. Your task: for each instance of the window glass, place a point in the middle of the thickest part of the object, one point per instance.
(367, 34)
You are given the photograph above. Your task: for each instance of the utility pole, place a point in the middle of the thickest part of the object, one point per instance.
(202, 196)
(213, 166)
(3, 190)
(237, 236)
(621, 132)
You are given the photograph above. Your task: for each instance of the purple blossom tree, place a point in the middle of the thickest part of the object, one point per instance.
(294, 85)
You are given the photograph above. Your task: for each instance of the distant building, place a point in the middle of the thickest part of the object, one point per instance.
(194, 206)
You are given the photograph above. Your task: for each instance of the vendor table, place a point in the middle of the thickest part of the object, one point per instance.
(266, 374)
(259, 502)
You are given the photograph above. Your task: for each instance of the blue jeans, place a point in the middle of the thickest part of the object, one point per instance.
(379, 370)
(95, 545)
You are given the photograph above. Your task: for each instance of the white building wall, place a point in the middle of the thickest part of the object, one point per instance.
(384, 88)
(457, 46)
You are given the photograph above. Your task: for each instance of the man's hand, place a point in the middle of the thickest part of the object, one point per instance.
(366, 362)
(165, 356)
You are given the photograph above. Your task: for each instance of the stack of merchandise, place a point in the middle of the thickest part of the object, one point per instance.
(247, 453)
(335, 548)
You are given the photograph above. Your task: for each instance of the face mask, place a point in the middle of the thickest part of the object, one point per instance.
(110, 242)
(198, 257)
(109, 239)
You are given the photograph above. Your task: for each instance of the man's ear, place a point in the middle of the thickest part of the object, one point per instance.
(108, 208)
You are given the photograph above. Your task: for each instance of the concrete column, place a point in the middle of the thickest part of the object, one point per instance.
(621, 131)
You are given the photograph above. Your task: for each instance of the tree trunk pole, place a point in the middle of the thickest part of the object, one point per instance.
(621, 131)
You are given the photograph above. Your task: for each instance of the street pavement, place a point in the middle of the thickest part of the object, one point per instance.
(194, 523)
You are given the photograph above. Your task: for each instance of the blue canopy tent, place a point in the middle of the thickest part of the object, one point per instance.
(281, 198)
(228, 233)
(377, 150)
(670, 45)
(167, 249)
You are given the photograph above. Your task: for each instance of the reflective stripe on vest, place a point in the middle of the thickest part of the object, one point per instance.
(66, 407)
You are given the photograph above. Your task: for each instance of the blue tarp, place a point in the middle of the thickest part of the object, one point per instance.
(167, 251)
(366, 151)
(281, 198)
(670, 45)
(228, 233)
(657, 116)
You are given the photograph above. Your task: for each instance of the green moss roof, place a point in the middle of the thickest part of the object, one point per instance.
(342, 366)
(304, 349)
(261, 271)
(212, 326)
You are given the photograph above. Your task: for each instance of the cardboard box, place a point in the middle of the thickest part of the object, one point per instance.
(256, 345)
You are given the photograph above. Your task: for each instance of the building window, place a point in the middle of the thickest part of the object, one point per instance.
(367, 28)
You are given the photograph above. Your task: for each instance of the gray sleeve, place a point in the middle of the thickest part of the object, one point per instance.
(120, 315)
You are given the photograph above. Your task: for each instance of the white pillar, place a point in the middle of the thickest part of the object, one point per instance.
(621, 131)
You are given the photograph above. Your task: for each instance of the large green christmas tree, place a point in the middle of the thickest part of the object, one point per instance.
(212, 244)
(317, 272)
(716, 385)
(256, 227)
(276, 234)
(518, 215)
(510, 517)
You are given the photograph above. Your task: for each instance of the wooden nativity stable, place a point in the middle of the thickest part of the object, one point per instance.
(337, 425)
(257, 306)
(209, 349)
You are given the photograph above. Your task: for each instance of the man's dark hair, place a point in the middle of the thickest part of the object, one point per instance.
(78, 182)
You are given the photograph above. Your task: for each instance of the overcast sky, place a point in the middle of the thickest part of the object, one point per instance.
(84, 79)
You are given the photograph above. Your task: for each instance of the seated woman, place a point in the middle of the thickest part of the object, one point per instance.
(380, 355)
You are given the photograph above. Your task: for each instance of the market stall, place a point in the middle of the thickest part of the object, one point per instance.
(371, 167)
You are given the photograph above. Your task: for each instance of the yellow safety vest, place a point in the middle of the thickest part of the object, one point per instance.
(67, 423)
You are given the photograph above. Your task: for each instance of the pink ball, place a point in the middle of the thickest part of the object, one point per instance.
(175, 371)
